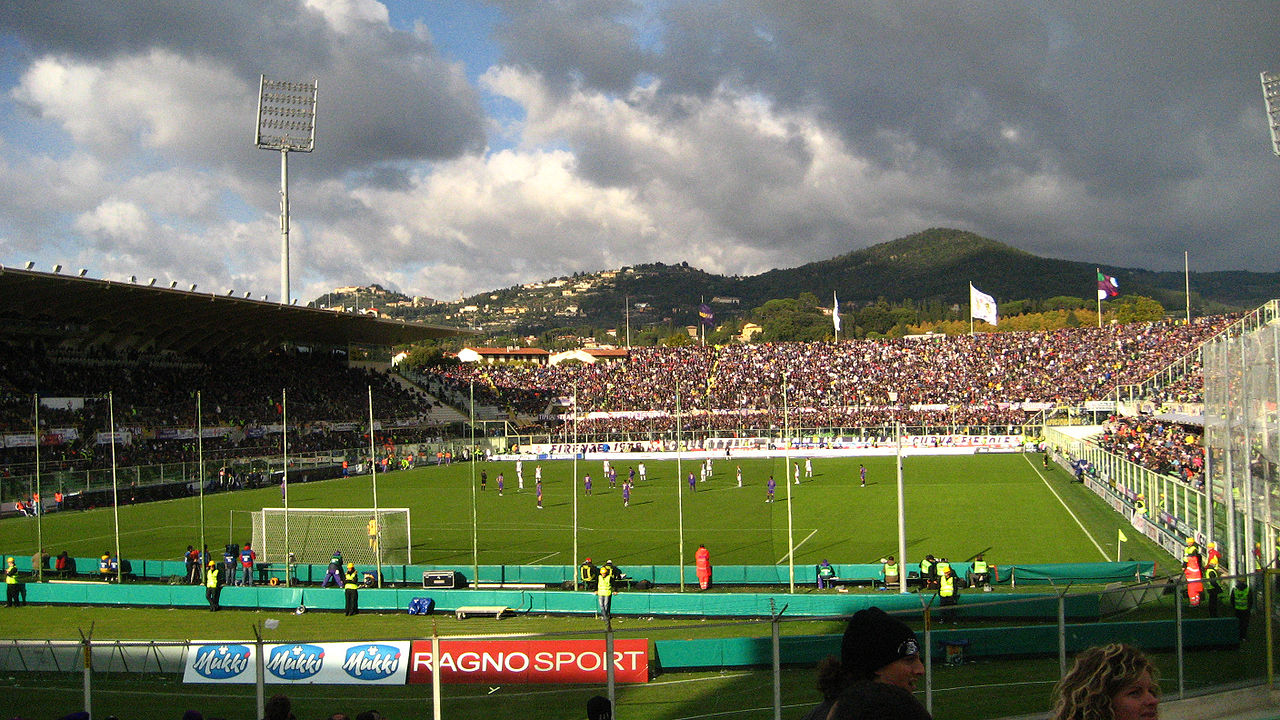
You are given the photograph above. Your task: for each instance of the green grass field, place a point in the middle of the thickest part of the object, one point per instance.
(955, 507)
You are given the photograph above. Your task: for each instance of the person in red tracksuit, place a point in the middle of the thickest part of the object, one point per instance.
(702, 560)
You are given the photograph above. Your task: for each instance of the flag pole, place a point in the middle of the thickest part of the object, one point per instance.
(1186, 274)
(1099, 271)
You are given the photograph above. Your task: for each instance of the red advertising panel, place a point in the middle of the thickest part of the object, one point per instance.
(530, 661)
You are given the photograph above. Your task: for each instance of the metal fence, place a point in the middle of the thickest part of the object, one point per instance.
(989, 659)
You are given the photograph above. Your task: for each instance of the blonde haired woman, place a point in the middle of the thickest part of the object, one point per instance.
(1110, 682)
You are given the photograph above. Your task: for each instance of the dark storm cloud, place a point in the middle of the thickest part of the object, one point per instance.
(384, 96)
(1140, 107)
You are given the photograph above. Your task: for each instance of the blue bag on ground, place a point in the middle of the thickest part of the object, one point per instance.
(421, 606)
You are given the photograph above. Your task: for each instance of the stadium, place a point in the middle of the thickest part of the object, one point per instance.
(142, 423)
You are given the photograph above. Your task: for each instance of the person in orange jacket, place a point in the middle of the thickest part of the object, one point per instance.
(702, 560)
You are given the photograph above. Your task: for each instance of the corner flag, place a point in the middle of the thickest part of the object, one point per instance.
(981, 305)
(1121, 534)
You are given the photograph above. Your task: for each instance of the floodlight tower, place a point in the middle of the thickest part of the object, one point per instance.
(286, 121)
(1271, 94)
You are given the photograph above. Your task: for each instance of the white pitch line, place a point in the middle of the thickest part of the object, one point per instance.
(544, 557)
(1087, 534)
(792, 550)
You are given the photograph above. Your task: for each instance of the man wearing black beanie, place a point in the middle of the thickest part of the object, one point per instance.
(876, 674)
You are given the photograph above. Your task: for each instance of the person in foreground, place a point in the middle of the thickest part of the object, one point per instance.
(876, 674)
(1109, 682)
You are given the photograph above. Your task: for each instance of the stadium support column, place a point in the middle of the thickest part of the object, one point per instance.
(115, 492)
(39, 506)
(679, 490)
(786, 480)
(200, 482)
(902, 514)
(573, 487)
(475, 536)
(377, 519)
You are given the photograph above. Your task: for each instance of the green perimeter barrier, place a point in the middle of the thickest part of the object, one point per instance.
(693, 604)
(732, 575)
(1041, 640)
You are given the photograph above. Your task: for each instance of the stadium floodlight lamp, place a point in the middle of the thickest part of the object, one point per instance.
(151, 282)
(193, 288)
(247, 293)
(83, 272)
(57, 269)
(173, 284)
(1271, 95)
(133, 279)
(287, 123)
(30, 264)
(231, 292)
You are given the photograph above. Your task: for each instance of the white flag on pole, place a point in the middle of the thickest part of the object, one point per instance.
(835, 312)
(981, 305)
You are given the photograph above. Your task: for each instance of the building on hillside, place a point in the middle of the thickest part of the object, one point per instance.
(590, 356)
(726, 300)
(490, 356)
(749, 332)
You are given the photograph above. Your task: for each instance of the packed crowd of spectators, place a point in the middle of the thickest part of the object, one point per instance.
(978, 383)
(947, 380)
(1163, 447)
(327, 406)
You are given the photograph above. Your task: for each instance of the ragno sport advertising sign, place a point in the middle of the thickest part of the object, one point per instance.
(530, 661)
(401, 662)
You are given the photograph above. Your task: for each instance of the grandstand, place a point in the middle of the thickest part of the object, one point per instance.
(1104, 399)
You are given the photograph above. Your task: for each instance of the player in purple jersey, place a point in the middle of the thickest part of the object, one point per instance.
(631, 475)
(613, 477)
(626, 493)
(862, 472)
(770, 487)
(499, 484)
(692, 482)
(539, 490)
(586, 484)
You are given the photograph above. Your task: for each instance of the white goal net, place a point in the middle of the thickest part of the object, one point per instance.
(313, 534)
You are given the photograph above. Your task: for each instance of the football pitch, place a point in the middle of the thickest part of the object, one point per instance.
(1006, 505)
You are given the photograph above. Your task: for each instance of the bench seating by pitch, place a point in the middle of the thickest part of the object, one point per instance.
(496, 611)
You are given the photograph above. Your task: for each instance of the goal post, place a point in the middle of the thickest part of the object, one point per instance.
(313, 534)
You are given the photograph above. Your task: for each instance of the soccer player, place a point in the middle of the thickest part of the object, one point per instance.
(797, 474)
(586, 483)
(770, 487)
(631, 475)
(862, 473)
(538, 487)
(808, 467)
(606, 468)
(739, 476)
(613, 477)
(692, 483)
(500, 484)
(520, 473)
(537, 473)
(484, 479)
(626, 493)
(643, 475)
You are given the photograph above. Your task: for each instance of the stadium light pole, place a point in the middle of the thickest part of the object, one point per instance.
(286, 122)
(1271, 96)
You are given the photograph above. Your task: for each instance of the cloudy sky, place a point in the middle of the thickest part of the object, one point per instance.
(465, 146)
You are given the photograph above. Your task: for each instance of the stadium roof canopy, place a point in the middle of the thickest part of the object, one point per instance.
(129, 316)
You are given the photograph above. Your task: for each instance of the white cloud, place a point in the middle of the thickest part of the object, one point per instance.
(349, 15)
